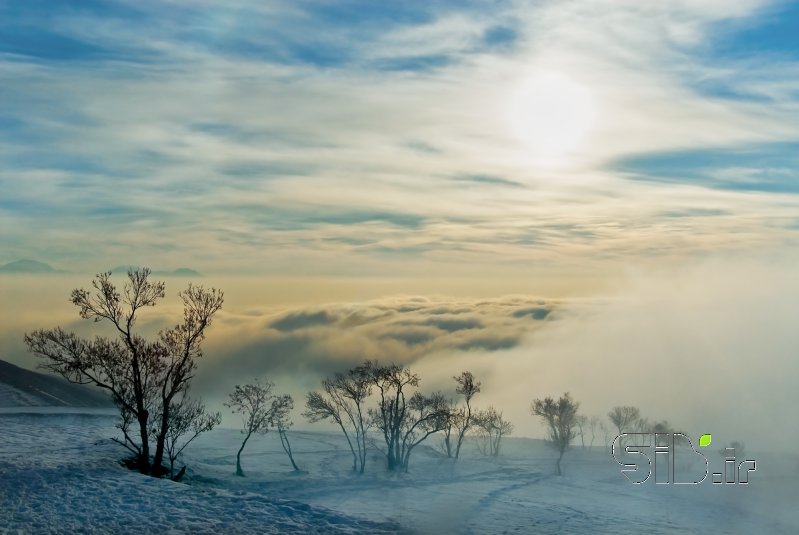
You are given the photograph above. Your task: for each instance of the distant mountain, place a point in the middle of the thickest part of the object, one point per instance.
(183, 272)
(25, 388)
(27, 266)
(180, 272)
(34, 266)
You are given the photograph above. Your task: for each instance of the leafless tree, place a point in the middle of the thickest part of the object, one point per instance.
(493, 427)
(560, 416)
(183, 349)
(593, 423)
(188, 419)
(281, 420)
(581, 422)
(405, 418)
(254, 403)
(661, 427)
(738, 446)
(142, 376)
(456, 417)
(467, 387)
(625, 418)
(605, 434)
(642, 425)
(342, 401)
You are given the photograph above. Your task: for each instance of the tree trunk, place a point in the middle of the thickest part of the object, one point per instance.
(142, 414)
(363, 451)
(284, 441)
(144, 457)
(159, 444)
(293, 464)
(352, 448)
(496, 444)
(239, 471)
(394, 460)
(558, 463)
(465, 428)
(360, 438)
(156, 469)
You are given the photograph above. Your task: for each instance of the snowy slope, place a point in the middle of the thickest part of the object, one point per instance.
(25, 388)
(58, 474)
(14, 397)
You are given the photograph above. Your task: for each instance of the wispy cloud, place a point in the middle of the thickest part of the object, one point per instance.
(360, 137)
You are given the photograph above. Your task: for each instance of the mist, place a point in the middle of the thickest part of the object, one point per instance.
(711, 348)
(708, 346)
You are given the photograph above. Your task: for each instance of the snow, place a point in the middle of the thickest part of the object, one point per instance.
(20, 387)
(14, 397)
(59, 474)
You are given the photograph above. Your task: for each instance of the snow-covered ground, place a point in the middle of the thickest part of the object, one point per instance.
(58, 473)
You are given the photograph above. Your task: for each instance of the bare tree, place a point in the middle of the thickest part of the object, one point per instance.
(642, 425)
(560, 416)
(280, 420)
(467, 387)
(453, 424)
(183, 348)
(605, 434)
(624, 418)
(593, 423)
(428, 415)
(581, 421)
(493, 427)
(143, 377)
(661, 427)
(738, 446)
(662, 431)
(254, 403)
(188, 418)
(342, 401)
(405, 419)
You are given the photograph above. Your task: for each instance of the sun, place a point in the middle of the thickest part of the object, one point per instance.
(551, 115)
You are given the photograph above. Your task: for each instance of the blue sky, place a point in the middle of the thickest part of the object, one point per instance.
(387, 138)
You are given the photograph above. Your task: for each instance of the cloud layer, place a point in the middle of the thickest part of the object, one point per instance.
(303, 345)
(353, 138)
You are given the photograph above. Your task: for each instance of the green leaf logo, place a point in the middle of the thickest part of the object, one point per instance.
(704, 440)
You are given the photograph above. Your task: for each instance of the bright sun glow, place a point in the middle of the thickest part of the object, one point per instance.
(551, 114)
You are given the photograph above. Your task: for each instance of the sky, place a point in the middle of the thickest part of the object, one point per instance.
(400, 162)
(395, 138)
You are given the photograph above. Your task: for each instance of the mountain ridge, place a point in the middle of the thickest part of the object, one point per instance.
(35, 267)
(26, 265)
(179, 272)
(20, 387)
